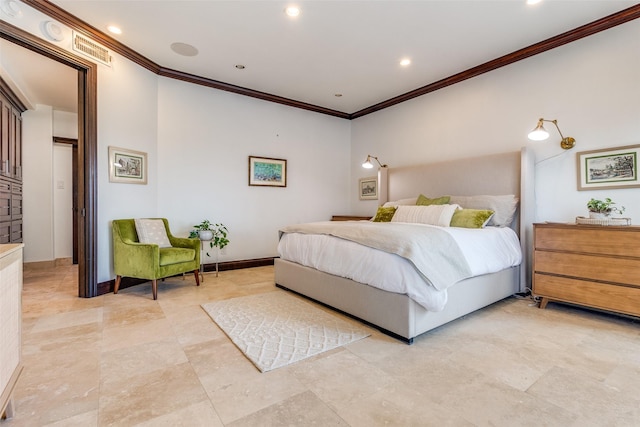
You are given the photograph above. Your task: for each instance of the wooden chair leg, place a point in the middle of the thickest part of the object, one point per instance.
(197, 273)
(154, 288)
(117, 285)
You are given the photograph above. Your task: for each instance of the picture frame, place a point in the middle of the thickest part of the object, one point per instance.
(368, 188)
(127, 166)
(608, 168)
(267, 172)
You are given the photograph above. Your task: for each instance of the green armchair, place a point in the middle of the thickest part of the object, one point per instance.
(149, 261)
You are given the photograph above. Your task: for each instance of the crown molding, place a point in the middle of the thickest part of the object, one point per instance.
(591, 28)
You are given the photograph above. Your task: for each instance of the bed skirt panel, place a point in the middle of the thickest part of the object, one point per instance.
(391, 312)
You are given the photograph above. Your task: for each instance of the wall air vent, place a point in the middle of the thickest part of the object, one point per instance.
(91, 49)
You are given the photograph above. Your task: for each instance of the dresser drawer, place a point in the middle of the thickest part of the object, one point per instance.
(623, 241)
(607, 269)
(623, 299)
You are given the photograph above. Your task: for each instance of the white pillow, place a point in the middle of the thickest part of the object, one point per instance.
(152, 231)
(504, 207)
(439, 215)
(410, 201)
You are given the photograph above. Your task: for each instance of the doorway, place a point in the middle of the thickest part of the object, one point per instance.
(87, 150)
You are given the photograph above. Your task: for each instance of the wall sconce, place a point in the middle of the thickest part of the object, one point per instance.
(540, 134)
(368, 164)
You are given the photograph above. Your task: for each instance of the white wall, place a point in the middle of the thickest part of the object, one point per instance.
(127, 118)
(205, 137)
(590, 86)
(62, 201)
(65, 125)
(37, 151)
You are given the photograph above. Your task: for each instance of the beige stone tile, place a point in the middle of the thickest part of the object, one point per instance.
(250, 393)
(67, 319)
(200, 414)
(88, 419)
(341, 377)
(304, 409)
(399, 405)
(41, 401)
(192, 325)
(62, 341)
(485, 402)
(117, 337)
(150, 395)
(127, 362)
(591, 399)
(126, 314)
(507, 365)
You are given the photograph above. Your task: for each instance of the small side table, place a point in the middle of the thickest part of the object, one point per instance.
(202, 242)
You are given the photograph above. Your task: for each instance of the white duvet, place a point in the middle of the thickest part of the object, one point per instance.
(486, 250)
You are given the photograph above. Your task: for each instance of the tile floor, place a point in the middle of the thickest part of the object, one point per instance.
(127, 360)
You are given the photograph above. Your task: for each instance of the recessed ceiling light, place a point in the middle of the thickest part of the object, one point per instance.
(240, 67)
(113, 29)
(11, 8)
(53, 31)
(292, 11)
(405, 62)
(184, 49)
(533, 1)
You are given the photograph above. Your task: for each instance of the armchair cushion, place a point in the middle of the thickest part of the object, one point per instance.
(170, 256)
(152, 231)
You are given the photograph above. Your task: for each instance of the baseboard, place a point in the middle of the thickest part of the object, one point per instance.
(127, 282)
(40, 265)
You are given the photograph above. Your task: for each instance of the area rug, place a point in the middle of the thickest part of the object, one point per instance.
(276, 329)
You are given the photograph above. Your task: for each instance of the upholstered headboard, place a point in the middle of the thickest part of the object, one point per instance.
(496, 174)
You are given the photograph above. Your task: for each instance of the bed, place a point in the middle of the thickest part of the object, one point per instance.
(395, 312)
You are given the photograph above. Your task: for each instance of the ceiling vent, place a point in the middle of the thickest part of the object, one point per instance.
(91, 49)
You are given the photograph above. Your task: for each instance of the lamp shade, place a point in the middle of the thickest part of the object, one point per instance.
(539, 133)
(367, 164)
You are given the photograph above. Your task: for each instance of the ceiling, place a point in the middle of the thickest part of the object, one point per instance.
(351, 48)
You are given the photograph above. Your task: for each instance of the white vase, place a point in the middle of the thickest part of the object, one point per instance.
(599, 215)
(205, 235)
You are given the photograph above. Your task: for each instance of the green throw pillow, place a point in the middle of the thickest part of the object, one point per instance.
(385, 214)
(425, 201)
(471, 218)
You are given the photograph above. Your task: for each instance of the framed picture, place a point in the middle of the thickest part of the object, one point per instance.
(368, 188)
(127, 166)
(608, 168)
(267, 172)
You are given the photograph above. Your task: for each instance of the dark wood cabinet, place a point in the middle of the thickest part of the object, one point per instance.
(11, 109)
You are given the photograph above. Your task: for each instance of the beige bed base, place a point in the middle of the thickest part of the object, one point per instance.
(396, 314)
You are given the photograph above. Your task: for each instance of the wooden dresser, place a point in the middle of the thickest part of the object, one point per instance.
(594, 266)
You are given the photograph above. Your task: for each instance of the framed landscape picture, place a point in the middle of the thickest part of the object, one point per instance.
(267, 172)
(368, 188)
(608, 168)
(127, 166)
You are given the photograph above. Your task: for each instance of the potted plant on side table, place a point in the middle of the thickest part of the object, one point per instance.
(215, 234)
(599, 209)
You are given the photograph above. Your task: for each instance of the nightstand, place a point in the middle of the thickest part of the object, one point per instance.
(350, 218)
(594, 266)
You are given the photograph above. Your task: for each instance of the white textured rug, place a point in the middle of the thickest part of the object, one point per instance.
(275, 329)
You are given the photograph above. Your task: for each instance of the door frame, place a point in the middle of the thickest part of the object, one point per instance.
(87, 149)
